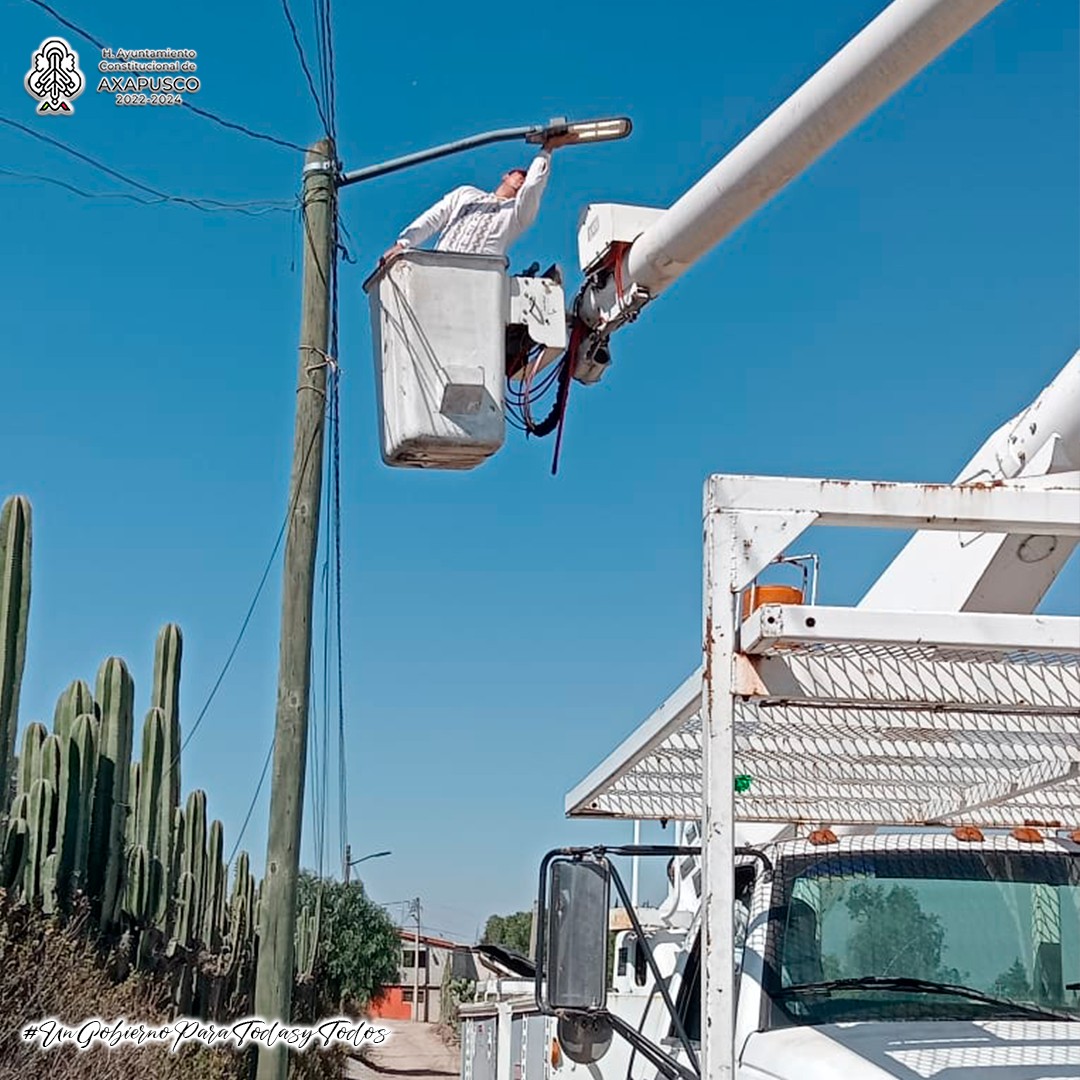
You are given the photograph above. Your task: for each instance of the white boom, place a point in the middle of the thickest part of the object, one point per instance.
(876, 63)
(938, 571)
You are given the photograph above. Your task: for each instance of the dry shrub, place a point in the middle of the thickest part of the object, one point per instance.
(49, 969)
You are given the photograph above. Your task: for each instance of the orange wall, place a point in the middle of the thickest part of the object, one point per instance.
(391, 1006)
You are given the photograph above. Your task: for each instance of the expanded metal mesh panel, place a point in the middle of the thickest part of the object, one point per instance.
(872, 763)
(920, 676)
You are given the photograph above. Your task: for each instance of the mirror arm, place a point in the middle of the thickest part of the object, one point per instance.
(541, 920)
(661, 983)
(671, 1069)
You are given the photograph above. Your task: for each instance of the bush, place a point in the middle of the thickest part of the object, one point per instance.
(358, 945)
(53, 969)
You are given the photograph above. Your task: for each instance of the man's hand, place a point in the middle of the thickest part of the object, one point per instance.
(553, 142)
(389, 253)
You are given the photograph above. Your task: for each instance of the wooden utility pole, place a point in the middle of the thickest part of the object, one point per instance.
(274, 974)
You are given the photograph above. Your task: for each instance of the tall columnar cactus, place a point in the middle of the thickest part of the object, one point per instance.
(308, 925)
(151, 803)
(15, 544)
(30, 756)
(187, 910)
(40, 813)
(78, 768)
(50, 885)
(51, 751)
(142, 883)
(16, 842)
(176, 855)
(214, 907)
(193, 856)
(242, 903)
(131, 826)
(115, 694)
(166, 696)
(75, 701)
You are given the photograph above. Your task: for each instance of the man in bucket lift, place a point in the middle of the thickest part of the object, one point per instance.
(478, 222)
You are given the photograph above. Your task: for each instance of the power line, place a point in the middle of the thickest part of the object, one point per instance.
(254, 800)
(255, 208)
(304, 65)
(205, 113)
(206, 205)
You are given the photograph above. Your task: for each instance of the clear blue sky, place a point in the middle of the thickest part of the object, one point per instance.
(503, 630)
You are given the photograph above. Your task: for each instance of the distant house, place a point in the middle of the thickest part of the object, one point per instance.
(396, 1002)
(478, 963)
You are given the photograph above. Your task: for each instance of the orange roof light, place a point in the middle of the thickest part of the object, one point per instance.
(756, 595)
(969, 833)
(1027, 835)
(1075, 836)
(823, 836)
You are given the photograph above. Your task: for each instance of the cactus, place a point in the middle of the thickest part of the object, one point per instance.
(16, 840)
(42, 808)
(115, 693)
(193, 857)
(51, 752)
(308, 924)
(176, 852)
(155, 813)
(15, 545)
(75, 701)
(214, 905)
(50, 894)
(131, 826)
(20, 806)
(166, 696)
(187, 914)
(30, 756)
(142, 886)
(78, 765)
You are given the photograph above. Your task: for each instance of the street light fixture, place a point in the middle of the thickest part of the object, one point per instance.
(363, 858)
(585, 131)
(579, 131)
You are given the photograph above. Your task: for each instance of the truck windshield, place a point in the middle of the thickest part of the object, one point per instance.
(926, 934)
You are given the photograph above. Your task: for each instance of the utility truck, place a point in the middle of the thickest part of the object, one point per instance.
(877, 871)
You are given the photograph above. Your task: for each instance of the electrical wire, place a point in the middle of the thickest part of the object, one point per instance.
(319, 106)
(256, 208)
(232, 125)
(254, 800)
(206, 205)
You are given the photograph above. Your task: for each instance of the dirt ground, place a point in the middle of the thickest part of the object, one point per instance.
(414, 1051)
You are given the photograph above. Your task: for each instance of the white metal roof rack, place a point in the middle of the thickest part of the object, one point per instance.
(854, 716)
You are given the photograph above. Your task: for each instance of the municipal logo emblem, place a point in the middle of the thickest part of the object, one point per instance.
(54, 78)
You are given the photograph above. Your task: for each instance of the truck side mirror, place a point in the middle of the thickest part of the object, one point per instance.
(573, 955)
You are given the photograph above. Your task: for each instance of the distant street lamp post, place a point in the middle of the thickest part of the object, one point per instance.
(356, 862)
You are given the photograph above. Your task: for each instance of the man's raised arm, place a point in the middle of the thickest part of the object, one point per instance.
(527, 202)
(426, 225)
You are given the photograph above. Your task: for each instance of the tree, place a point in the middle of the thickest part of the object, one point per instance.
(1013, 983)
(358, 949)
(893, 935)
(510, 931)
